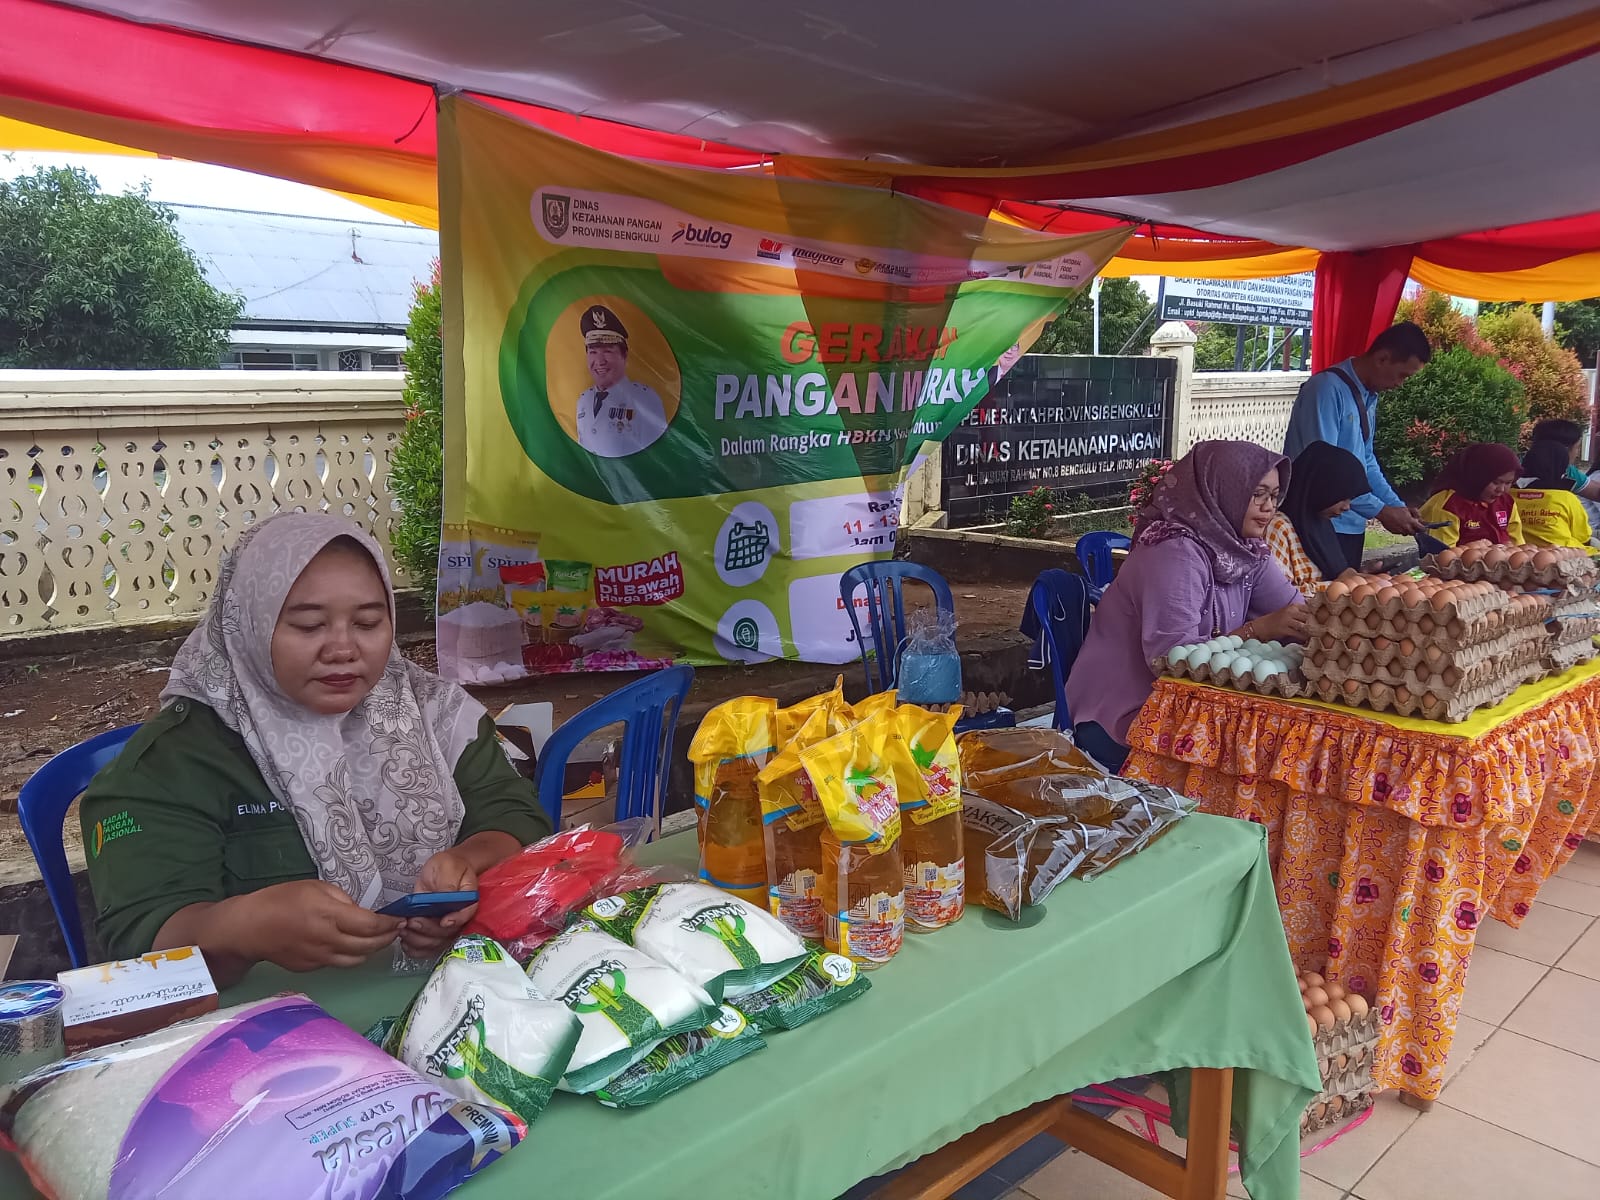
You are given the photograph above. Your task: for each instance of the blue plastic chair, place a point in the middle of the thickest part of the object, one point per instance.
(1059, 605)
(1094, 554)
(42, 807)
(648, 711)
(886, 613)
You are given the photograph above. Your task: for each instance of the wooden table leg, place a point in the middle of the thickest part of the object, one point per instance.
(1205, 1175)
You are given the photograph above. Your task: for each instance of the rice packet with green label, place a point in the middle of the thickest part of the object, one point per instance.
(682, 1059)
(818, 985)
(627, 1002)
(726, 945)
(485, 1032)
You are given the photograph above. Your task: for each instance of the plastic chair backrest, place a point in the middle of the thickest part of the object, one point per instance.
(42, 808)
(648, 711)
(1062, 637)
(886, 613)
(1094, 553)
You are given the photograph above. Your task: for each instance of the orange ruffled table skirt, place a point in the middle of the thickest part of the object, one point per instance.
(1391, 838)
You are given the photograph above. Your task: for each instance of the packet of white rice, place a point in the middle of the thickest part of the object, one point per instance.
(482, 1029)
(628, 1002)
(727, 945)
(681, 1059)
(271, 1098)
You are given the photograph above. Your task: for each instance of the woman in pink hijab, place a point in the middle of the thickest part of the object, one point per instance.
(1198, 569)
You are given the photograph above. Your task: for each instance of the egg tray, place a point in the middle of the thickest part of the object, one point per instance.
(1569, 572)
(1325, 611)
(1463, 658)
(1288, 684)
(1564, 657)
(1485, 627)
(1576, 629)
(1421, 677)
(1347, 1087)
(1456, 706)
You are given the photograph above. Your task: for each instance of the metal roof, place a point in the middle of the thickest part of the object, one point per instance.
(297, 270)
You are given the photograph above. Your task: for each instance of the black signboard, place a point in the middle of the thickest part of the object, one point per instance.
(1066, 422)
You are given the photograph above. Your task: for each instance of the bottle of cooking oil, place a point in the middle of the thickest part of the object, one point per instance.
(930, 816)
(732, 745)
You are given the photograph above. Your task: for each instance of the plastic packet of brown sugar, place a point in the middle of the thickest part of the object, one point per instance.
(1092, 799)
(994, 756)
(1015, 860)
(1149, 811)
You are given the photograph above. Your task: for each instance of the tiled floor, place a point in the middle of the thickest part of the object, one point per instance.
(1518, 1116)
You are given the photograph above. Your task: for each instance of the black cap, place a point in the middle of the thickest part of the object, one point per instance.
(600, 327)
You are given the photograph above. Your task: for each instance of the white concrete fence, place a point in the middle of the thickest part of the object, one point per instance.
(118, 488)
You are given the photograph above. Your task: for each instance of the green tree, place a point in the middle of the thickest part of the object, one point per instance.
(1216, 343)
(416, 471)
(1577, 325)
(1550, 374)
(1123, 325)
(92, 280)
(1457, 399)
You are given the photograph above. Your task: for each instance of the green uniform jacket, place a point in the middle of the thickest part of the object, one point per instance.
(183, 816)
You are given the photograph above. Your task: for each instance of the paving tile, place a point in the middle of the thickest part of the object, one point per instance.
(1448, 1155)
(1584, 957)
(1076, 1176)
(1584, 865)
(1569, 893)
(1561, 1012)
(1471, 1034)
(1538, 1091)
(1348, 1159)
(1545, 935)
(1496, 984)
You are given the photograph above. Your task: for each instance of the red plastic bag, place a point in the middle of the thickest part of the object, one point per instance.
(527, 899)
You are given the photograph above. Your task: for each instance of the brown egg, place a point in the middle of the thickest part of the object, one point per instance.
(1471, 555)
(1318, 657)
(1369, 665)
(1314, 980)
(1407, 646)
(1337, 590)
(1354, 642)
(1381, 643)
(1341, 1010)
(1351, 687)
(1315, 995)
(1387, 594)
(1335, 991)
(1429, 699)
(1413, 597)
(1303, 984)
(1424, 625)
(1360, 592)
(1448, 555)
(1439, 601)
(1544, 560)
(1433, 654)
(1380, 694)
(1311, 1025)
(1451, 676)
(1454, 628)
(1358, 1004)
(1402, 695)
(1374, 621)
(1323, 1015)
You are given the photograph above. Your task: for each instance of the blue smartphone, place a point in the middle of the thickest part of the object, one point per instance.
(429, 904)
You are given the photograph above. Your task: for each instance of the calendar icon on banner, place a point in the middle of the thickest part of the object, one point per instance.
(747, 546)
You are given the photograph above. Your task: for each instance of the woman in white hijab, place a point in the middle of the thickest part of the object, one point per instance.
(300, 774)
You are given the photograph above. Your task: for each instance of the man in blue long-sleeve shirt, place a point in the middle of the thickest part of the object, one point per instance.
(1340, 406)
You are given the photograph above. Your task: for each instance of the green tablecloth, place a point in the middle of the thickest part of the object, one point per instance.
(1176, 958)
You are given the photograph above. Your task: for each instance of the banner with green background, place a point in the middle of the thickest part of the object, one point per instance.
(679, 403)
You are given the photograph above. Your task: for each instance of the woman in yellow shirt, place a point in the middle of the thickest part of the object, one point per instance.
(1322, 482)
(1552, 514)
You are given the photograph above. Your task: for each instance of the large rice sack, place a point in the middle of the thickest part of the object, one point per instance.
(274, 1100)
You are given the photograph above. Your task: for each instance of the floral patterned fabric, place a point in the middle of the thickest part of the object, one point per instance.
(1389, 845)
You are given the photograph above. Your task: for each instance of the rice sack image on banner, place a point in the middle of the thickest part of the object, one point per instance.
(679, 403)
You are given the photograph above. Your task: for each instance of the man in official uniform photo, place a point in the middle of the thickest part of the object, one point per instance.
(617, 416)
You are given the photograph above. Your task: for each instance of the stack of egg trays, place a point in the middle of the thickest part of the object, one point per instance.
(1570, 574)
(1454, 707)
(1347, 1087)
(1288, 684)
(1477, 664)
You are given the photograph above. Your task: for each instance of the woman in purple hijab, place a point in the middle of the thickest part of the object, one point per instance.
(1198, 570)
